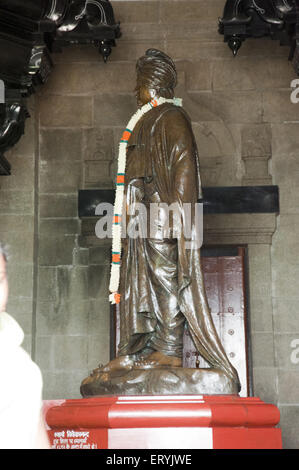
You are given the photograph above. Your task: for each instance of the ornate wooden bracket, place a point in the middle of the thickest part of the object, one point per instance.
(278, 19)
(29, 33)
(11, 130)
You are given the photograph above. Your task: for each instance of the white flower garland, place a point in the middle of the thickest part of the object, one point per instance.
(114, 297)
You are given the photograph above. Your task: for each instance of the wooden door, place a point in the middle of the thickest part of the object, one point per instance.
(225, 287)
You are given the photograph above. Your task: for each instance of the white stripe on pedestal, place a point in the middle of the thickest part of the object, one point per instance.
(161, 438)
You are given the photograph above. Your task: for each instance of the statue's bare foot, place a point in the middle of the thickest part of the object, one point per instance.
(158, 359)
(119, 363)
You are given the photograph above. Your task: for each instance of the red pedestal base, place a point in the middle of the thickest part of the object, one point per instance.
(163, 422)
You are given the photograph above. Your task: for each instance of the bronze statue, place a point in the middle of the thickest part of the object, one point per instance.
(161, 281)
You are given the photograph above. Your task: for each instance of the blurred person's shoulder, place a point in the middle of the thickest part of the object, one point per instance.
(14, 360)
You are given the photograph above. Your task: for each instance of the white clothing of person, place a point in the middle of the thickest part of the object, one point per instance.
(21, 425)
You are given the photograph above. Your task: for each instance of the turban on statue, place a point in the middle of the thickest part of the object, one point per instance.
(156, 70)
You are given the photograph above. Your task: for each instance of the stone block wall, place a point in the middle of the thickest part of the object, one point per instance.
(247, 133)
(72, 327)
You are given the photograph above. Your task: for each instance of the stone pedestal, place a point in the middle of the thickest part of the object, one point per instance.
(164, 422)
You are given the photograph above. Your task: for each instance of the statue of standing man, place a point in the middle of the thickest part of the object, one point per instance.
(159, 285)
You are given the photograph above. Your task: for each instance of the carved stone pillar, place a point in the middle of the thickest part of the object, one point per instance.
(256, 152)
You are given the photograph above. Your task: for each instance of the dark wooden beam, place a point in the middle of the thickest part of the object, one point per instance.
(216, 200)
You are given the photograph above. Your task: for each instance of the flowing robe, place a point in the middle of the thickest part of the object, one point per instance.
(161, 280)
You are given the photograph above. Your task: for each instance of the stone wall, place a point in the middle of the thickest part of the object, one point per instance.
(247, 133)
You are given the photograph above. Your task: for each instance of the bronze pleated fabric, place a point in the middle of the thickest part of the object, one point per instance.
(162, 283)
